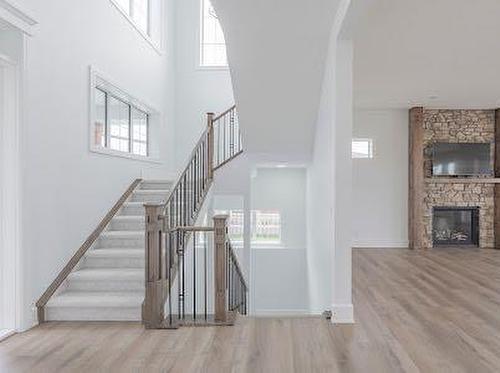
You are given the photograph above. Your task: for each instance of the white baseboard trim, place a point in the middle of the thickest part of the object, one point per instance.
(4, 334)
(380, 244)
(285, 312)
(342, 314)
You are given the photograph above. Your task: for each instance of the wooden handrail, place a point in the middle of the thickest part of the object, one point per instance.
(224, 113)
(202, 137)
(165, 223)
(228, 160)
(42, 302)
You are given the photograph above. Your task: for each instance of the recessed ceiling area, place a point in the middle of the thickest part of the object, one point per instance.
(436, 53)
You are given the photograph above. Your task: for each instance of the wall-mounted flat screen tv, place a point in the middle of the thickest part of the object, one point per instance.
(465, 159)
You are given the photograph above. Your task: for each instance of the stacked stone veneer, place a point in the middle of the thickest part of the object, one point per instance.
(454, 126)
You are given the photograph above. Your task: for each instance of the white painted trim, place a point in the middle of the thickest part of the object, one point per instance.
(4, 334)
(116, 153)
(12, 13)
(198, 65)
(97, 78)
(374, 244)
(10, 196)
(342, 314)
(158, 47)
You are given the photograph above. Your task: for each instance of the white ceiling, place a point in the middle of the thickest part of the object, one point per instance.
(437, 53)
(277, 51)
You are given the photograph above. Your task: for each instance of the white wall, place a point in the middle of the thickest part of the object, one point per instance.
(198, 90)
(67, 189)
(279, 273)
(380, 185)
(320, 198)
(329, 185)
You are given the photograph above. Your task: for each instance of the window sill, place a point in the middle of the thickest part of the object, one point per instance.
(213, 68)
(133, 157)
(156, 47)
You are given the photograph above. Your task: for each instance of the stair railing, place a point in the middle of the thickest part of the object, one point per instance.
(169, 226)
(205, 265)
(227, 137)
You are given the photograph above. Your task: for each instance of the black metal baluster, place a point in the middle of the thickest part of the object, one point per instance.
(217, 146)
(205, 272)
(179, 289)
(231, 136)
(194, 276)
(169, 268)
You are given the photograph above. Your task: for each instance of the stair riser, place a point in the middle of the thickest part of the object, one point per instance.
(155, 197)
(110, 242)
(93, 313)
(133, 210)
(114, 263)
(125, 225)
(156, 186)
(114, 285)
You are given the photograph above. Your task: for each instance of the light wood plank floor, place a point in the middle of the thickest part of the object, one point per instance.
(435, 311)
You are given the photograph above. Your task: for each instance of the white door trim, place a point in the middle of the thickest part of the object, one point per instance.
(10, 196)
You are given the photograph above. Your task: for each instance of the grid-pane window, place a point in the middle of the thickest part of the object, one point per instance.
(119, 124)
(236, 226)
(100, 117)
(213, 45)
(266, 227)
(362, 148)
(139, 132)
(140, 14)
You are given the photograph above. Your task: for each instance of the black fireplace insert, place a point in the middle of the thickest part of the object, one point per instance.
(452, 226)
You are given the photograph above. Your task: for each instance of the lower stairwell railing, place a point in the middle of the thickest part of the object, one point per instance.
(173, 243)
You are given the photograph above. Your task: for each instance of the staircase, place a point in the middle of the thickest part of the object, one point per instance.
(108, 283)
(133, 266)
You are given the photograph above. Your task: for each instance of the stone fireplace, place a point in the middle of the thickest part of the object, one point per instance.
(450, 210)
(455, 226)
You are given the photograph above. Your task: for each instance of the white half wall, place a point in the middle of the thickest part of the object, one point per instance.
(279, 271)
(380, 184)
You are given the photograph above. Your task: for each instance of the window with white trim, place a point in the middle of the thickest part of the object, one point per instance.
(362, 148)
(138, 11)
(212, 42)
(266, 227)
(119, 125)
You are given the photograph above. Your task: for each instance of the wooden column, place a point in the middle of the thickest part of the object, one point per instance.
(211, 145)
(220, 269)
(497, 186)
(153, 313)
(416, 175)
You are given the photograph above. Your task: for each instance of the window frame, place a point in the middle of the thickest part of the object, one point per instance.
(254, 214)
(199, 54)
(371, 147)
(157, 45)
(98, 82)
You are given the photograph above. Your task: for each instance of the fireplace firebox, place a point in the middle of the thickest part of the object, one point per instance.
(452, 226)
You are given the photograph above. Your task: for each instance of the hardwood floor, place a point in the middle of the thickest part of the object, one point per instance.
(435, 311)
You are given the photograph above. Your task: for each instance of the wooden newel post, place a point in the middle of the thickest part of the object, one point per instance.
(220, 261)
(211, 146)
(153, 306)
